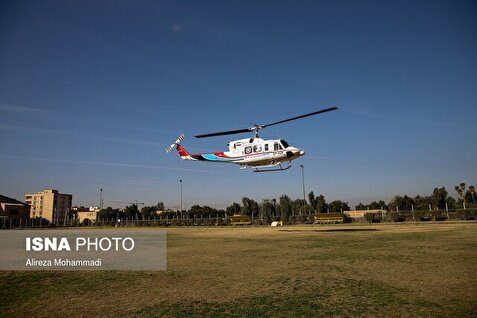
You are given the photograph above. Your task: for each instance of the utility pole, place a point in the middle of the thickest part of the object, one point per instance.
(100, 202)
(181, 199)
(303, 181)
(100, 198)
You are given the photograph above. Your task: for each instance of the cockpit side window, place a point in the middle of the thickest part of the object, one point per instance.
(277, 146)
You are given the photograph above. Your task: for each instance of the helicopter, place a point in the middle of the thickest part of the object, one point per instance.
(255, 153)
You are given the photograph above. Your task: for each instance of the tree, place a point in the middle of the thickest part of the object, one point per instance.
(381, 205)
(249, 207)
(285, 207)
(422, 203)
(275, 210)
(195, 210)
(401, 203)
(298, 207)
(451, 203)
(361, 206)
(460, 189)
(318, 204)
(321, 206)
(149, 212)
(312, 200)
(471, 193)
(233, 209)
(339, 206)
(110, 214)
(208, 211)
(131, 211)
(438, 197)
(267, 210)
(160, 206)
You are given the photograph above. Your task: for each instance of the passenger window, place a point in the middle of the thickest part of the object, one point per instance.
(266, 147)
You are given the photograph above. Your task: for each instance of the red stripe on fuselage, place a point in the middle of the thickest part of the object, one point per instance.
(221, 155)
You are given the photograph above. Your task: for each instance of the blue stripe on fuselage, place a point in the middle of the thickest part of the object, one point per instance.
(212, 157)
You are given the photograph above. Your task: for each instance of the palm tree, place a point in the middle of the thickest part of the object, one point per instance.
(472, 191)
(460, 189)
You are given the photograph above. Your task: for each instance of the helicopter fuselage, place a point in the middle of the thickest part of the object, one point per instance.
(253, 152)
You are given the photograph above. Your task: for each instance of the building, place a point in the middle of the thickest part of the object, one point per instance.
(50, 204)
(13, 211)
(90, 214)
(359, 214)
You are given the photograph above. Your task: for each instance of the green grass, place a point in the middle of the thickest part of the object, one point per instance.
(363, 298)
(396, 270)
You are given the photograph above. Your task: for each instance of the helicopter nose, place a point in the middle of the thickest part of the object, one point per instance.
(298, 153)
(295, 152)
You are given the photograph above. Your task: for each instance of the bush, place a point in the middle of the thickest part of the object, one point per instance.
(399, 218)
(372, 217)
(426, 218)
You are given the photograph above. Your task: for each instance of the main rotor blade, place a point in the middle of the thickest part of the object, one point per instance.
(228, 132)
(301, 116)
(256, 128)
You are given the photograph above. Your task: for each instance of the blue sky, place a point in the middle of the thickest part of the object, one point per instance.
(92, 92)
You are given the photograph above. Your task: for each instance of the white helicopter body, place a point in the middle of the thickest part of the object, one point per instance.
(259, 154)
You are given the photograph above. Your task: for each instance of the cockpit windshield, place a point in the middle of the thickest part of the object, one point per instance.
(284, 143)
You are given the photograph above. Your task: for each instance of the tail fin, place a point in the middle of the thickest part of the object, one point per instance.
(182, 152)
(177, 142)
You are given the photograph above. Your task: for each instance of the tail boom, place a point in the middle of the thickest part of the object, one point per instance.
(183, 153)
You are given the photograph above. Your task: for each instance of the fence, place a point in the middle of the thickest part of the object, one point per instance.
(401, 216)
(422, 216)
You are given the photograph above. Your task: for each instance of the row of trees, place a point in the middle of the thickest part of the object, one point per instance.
(131, 212)
(438, 200)
(285, 207)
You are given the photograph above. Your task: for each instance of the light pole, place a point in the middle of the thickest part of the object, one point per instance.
(181, 198)
(100, 198)
(303, 181)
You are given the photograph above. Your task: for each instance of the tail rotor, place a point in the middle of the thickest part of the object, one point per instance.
(177, 142)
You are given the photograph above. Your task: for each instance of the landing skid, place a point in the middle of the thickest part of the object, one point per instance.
(257, 169)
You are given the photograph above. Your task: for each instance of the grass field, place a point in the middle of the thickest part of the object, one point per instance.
(384, 270)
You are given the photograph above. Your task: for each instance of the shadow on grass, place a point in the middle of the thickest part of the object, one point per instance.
(331, 230)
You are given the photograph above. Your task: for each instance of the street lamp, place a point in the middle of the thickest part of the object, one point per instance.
(100, 198)
(303, 181)
(181, 198)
